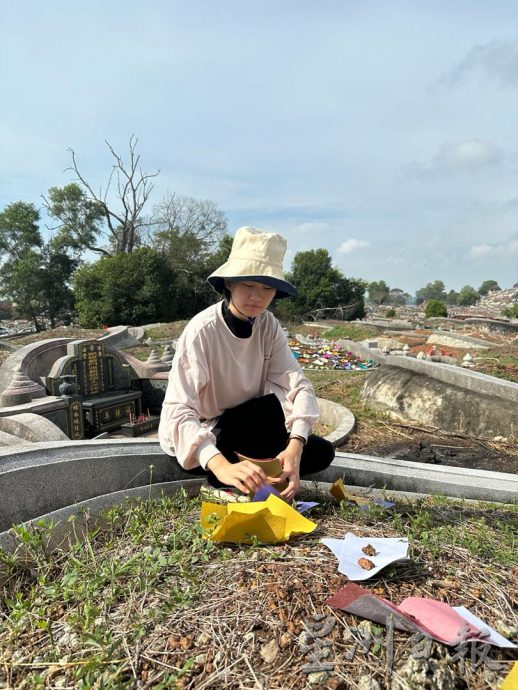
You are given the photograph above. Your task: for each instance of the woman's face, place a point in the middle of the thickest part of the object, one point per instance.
(249, 298)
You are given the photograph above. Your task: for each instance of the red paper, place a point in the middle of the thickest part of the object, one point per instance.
(414, 614)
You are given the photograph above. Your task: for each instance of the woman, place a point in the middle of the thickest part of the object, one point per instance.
(236, 387)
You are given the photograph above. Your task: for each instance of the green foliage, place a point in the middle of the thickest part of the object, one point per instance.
(134, 289)
(435, 308)
(80, 218)
(378, 291)
(431, 291)
(320, 285)
(467, 296)
(35, 275)
(19, 229)
(511, 311)
(390, 313)
(452, 297)
(193, 291)
(488, 286)
(397, 296)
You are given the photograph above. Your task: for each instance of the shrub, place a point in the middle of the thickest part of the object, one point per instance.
(435, 308)
(511, 311)
(390, 313)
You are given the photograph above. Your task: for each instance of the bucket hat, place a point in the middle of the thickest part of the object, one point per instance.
(255, 255)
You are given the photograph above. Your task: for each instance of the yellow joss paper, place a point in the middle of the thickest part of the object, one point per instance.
(271, 521)
(339, 491)
(511, 680)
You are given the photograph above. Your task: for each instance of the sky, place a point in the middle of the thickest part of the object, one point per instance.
(384, 132)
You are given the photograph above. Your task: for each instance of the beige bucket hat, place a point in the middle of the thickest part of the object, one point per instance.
(255, 255)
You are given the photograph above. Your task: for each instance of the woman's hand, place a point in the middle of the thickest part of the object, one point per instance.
(244, 475)
(290, 461)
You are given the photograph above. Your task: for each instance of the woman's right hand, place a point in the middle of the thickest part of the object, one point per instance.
(244, 475)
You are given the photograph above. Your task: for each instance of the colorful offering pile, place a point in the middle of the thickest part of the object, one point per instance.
(328, 357)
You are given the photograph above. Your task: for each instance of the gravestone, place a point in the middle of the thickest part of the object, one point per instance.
(96, 386)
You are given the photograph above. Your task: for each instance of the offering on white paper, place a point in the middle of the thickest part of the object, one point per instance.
(362, 557)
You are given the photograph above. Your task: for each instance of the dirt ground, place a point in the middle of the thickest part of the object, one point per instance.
(432, 447)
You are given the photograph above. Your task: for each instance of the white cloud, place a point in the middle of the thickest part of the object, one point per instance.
(498, 59)
(314, 227)
(352, 245)
(466, 156)
(483, 251)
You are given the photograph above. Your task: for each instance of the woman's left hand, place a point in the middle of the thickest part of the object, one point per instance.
(290, 461)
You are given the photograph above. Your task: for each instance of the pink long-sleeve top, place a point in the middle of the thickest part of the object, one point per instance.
(213, 370)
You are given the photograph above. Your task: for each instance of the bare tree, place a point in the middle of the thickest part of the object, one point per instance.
(121, 212)
(186, 229)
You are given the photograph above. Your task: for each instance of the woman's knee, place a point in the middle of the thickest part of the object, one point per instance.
(317, 456)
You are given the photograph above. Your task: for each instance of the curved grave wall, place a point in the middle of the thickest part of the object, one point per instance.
(39, 480)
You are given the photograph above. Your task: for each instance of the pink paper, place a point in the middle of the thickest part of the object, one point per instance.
(414, 614)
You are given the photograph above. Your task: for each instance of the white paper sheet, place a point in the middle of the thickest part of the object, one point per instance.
(493, 638)
(349, 550)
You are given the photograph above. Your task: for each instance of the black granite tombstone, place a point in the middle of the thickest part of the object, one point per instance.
(103, 388)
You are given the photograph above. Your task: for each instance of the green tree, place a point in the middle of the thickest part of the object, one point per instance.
(320, 285)
(397, 297)
(488, 286)
(35, 275)
(21, 278)
(191, 234)
(378, 291)
(452, 297)
(186, 229)
(434, 291)
(435, 308)
(129, 288)
(19, 229)
(511, 311)
(80, 218)
(467, 296)
(57, 268)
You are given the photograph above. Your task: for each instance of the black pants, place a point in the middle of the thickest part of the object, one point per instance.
(257, 428)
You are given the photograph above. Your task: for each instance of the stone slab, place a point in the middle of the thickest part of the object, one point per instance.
(455, 340)
(31, 427)
(10, 440)
(400, 475)
(34, 359)
(457, 376)
(426, 400)
(339, 417)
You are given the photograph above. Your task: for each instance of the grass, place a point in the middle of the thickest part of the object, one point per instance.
(61, 332)
(344, 388)
(164, 331)
(143, 600)
(499, 362)
(351, 332)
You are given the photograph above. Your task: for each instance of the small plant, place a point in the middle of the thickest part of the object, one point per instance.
(435, 308)
(390, 313)
(511, 311)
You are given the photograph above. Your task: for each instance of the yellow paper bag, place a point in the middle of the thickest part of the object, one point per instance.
(271, 521)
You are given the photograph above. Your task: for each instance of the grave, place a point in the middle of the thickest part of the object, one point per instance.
(97, 388)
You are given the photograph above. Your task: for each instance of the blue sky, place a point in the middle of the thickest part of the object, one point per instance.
(382, 131)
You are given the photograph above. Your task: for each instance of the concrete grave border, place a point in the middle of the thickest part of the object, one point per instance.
(45, 479)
